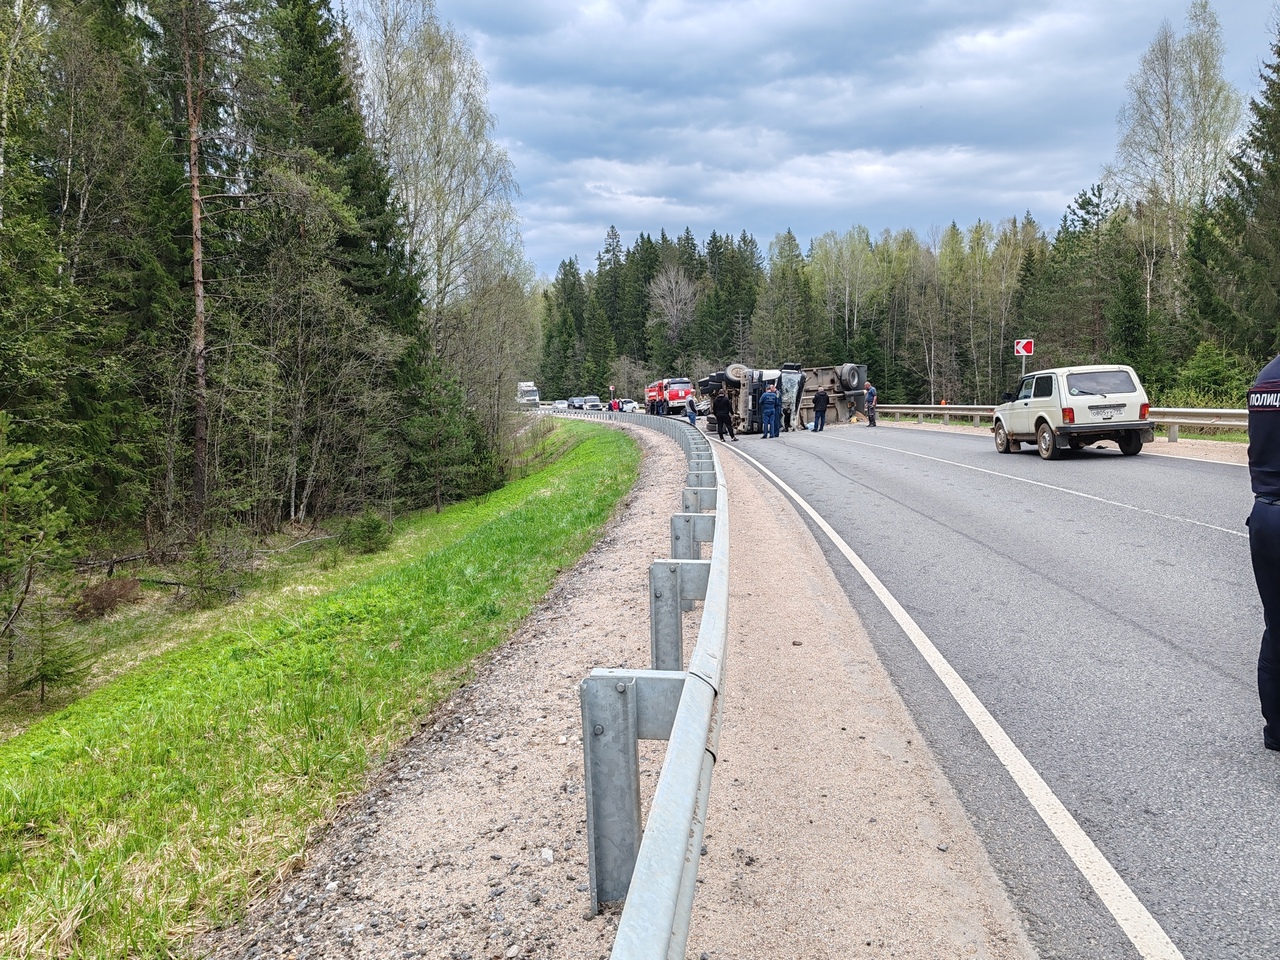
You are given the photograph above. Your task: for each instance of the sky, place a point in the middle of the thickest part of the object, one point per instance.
(813, 115)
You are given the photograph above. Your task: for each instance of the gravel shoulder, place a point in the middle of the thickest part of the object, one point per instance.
(831, 831)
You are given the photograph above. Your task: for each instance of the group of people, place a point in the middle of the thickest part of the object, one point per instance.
(775, 416)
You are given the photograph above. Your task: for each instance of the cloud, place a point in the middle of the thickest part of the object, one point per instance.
(763, 115)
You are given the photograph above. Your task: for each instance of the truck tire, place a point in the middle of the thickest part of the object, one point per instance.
(735, 373)
(851, 376)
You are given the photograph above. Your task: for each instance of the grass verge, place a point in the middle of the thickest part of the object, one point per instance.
(163, 801)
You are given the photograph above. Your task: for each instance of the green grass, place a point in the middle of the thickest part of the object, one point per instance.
(161, 802)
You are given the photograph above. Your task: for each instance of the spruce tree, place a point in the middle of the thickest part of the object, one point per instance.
(1247, 245)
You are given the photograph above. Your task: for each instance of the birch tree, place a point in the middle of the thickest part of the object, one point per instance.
(1177, 128)
(427, 105)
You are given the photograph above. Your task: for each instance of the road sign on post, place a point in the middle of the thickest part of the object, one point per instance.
(1024, 349)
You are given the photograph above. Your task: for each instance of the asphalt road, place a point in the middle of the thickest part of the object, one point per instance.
(1103, 610)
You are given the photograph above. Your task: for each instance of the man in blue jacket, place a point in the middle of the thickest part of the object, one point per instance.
(770, 411)
(1264, 538)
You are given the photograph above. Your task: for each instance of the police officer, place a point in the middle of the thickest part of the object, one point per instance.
(1264, 538)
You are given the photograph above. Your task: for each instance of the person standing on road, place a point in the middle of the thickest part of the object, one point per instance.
(770, 411)
(871, 405)
(691, 410)
(723, 410)
(1264, 538)
(821, 400)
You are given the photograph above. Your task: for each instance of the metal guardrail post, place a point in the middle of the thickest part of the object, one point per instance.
(688, 532)
(1173, 433)
(698, 499)
(625, 707)
(611, 757)
(670, 583)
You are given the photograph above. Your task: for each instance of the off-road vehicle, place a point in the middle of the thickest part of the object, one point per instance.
(1074, 407)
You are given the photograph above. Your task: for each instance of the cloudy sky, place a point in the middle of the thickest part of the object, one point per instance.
(812, 115)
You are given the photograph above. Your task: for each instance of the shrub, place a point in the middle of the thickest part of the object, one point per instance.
(367, 533)
(102, 598)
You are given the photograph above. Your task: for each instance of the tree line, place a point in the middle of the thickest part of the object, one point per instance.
(259, 265)
(1166, 263)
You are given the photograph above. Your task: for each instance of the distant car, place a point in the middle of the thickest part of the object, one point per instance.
(628, 405)
(561, 405)
(592, 403)
(575, 403)
(1073, 407)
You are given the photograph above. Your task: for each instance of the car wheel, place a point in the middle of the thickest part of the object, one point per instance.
(1046, 442)
(1002, 437)
(1130, 443)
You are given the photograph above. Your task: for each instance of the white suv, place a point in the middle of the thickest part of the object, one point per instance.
(1073, 407)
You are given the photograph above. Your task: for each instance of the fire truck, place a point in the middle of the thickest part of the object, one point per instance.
(667, 396)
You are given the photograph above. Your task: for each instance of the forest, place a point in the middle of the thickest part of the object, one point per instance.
(1165, 263)
(261, 269)
(259, 266)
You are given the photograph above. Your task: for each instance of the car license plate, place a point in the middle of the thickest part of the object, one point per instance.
(1105, 413)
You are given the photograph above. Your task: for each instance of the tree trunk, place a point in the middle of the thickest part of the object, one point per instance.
(193, 75)
(6, 89)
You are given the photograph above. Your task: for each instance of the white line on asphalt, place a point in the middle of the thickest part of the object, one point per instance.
(1050, 486)
(1146, 934)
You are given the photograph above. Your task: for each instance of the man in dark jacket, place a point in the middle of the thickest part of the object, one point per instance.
(723, 410)
(821, 400)
(1264, 538)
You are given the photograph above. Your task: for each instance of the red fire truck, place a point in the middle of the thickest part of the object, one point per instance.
(672, 390)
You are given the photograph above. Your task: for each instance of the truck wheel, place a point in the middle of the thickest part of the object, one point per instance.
(1046, 442)
(735, 373)
(1130, 443)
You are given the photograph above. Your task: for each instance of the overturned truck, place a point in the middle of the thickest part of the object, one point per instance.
(845, 385)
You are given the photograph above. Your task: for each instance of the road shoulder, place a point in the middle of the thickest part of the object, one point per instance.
(832, 831)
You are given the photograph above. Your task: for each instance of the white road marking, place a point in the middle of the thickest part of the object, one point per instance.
(1142, 929)
(1050, 486)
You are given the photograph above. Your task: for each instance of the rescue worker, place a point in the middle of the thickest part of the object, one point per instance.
(770, 411)
(723, 410)
(1264, 538)
(821, 400)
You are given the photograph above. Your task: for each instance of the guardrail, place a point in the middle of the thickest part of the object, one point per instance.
(656, 870)
(1169, 417)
